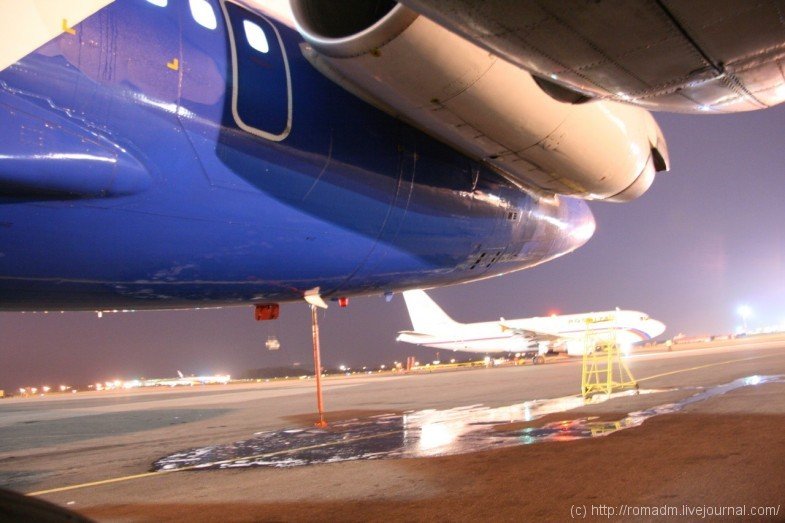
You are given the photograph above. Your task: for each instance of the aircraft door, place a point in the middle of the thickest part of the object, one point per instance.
(261, 101)
(235, 76)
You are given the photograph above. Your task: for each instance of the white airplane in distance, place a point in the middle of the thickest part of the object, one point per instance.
(563, 333)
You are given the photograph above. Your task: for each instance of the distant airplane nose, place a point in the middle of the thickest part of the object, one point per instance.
(654, 328)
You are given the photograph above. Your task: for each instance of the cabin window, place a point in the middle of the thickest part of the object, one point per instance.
(256, 37)
(203, 13)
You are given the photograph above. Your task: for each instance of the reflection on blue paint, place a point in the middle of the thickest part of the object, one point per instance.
(429, 432)
(244, 153)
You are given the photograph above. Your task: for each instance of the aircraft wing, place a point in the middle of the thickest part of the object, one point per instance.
(660, 54)
(413, 337)
(529, 334)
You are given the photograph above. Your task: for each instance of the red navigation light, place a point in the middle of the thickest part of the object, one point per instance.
(343, 301)
(266, 311)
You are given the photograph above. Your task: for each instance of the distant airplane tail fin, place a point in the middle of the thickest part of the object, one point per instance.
(425, 314)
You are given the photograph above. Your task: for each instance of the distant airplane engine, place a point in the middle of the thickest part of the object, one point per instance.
(535, 133)
(575, 347)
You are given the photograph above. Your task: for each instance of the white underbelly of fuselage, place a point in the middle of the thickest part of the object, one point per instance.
(497, 343)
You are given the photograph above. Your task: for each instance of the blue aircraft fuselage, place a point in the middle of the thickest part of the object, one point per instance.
(153, 160)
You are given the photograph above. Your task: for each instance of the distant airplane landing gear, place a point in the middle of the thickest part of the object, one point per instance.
(535, 357)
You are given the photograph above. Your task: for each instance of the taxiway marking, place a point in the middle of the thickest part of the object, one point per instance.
(698, 367)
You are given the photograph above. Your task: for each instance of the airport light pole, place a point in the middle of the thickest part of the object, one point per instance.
(745, 312)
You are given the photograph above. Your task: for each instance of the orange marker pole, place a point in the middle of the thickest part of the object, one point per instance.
(317, 365)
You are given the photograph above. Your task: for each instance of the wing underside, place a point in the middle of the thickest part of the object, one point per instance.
(659, 54)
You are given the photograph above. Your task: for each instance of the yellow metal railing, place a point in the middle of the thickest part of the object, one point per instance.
(604, 371)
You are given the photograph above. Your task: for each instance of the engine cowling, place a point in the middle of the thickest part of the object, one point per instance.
(480, 104)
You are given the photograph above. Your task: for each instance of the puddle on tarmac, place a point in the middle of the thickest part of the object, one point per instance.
(590, 428)
(428, 433)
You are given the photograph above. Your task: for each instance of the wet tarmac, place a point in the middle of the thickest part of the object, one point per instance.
(80, 428)
(430, 432)
(724, 450)
(589, 427)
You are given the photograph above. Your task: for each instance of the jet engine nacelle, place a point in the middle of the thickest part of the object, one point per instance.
(480, 104)
(575, 347)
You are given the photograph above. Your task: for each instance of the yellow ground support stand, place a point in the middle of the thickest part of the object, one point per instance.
(604, 371)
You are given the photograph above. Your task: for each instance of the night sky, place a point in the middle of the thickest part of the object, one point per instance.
(706, 238)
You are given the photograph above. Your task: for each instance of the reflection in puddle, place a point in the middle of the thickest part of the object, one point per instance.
(428, 432)
(589, 427)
